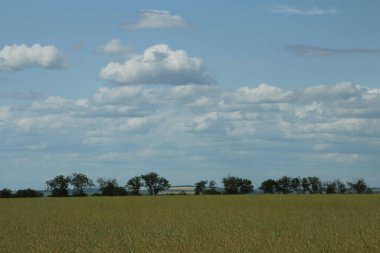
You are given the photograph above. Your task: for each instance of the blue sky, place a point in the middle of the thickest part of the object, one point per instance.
(191, 89)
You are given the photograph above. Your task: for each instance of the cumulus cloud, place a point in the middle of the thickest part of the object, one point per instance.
(289, 10)
(264, 93)
(225, 129)
(302, 50)
(156, 19)
(337, 91)
(158, 65)
(16, 57)
(114, 46)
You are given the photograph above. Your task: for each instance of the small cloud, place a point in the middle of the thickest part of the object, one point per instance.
(17, 57)
(301, 50)
(158, 65)
(289, 10)
(156, 19)
(264, 93)
(114, 46)
(79, 45)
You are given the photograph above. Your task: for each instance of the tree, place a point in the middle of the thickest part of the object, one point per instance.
(27, 193)
(5, 193)
(59, 186)
(268, 186)
(341, 187)
(295, 185)
(359, 186)
(110, 187)
(231, 185)
(236, 185)
(211, 188)
(283, 185)
(80, 182)
(315, 185)
(200, 187)
(134, 184)
(245, 186)
(305, 184)
(330, 187)
(154, 183)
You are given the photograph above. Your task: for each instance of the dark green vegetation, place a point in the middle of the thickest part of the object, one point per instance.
(233, 223)
(154, 183)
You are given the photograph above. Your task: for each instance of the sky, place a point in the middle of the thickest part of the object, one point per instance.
(194, 90)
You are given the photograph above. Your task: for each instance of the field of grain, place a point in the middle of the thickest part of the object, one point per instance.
(255, 223)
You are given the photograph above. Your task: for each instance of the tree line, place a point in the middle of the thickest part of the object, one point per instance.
(313, 185)
(77, 184)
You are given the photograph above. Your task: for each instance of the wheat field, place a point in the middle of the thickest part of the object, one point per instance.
(254, 223)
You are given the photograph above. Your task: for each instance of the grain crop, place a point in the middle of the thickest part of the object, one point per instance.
(251, 223)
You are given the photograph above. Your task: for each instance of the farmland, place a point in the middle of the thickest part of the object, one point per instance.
(250, 223)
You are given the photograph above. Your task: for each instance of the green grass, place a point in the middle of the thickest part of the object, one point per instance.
(256, 223)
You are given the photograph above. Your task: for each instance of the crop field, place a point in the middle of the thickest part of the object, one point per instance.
(252, 223)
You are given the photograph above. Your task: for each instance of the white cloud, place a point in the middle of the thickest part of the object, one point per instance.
(289, 10)
(158, 65)
(340, 90)
(264, 93)
(229, 129)
(114, 46)
(16, 57)
(138, 124)
(156, 19)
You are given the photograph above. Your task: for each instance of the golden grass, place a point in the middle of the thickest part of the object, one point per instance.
(256, 223)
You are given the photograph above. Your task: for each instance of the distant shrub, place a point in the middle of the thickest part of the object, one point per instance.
(27, 193)
(5, 193)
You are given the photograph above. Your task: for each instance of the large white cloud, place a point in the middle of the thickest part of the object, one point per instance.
(309, 131)
(16, 57)
(158, 65)
(156, 19)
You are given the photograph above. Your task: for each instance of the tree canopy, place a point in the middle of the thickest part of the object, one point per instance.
(154, 183)
(59, 186)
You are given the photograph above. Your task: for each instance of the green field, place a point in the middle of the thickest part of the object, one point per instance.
(255, 223)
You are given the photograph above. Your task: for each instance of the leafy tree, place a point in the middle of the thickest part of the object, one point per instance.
(283, 185)
(341, 187)
(80, 182)
(211, 188)
(245, 186)
(315, 185)
(154, 183)
(135, 184)
(330, 187)
(236, 185)
(305, 184)
(231, 185)
(359, 186)
(110, 187)
(268, 186)
(59, 186)
(27, 193)
(200, 187)
(5, 193)
(295, 185)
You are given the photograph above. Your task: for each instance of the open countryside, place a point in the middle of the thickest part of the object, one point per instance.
(190, 126)
(249, 223)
